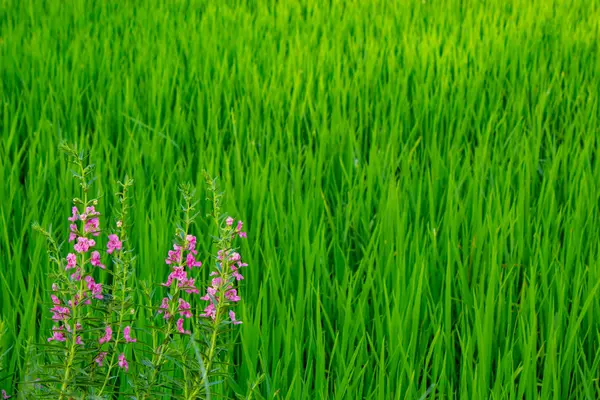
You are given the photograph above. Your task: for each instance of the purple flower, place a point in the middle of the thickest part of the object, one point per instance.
(184, 308)
(237, 275)
(232, 295)
(180, 327)
(71, 261)
(84, 244)
(95, 260)
(209, 311)
(113, 244)
(75, 215)
(123, 362)
(92, 226)
(57, 335)
(76, 276)
(233, 320)
(210, 291)
(191, 241)
(91, 211)
(178, 274)
(189, 286)
(127, 335)
(107, 335)
(73, 233)
(174, 255)
(238, 230)
(164, 307)
(60, 313)
(100, 359)
(95, 288)
(191, 261)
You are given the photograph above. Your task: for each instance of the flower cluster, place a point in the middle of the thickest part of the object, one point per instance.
(179, 258)
(221, 289)
(80, 286)
(75, 288)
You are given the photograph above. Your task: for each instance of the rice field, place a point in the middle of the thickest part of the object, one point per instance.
(419, 181)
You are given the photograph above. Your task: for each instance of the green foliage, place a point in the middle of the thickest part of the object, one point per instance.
(419, 180)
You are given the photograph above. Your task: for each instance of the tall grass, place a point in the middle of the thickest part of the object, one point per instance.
(420, 180)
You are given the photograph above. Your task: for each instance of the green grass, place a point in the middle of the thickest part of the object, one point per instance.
(419, 180)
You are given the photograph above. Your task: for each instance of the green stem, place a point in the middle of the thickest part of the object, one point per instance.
(75, 304)
(113, 350)
(123, 282)
(172, 310)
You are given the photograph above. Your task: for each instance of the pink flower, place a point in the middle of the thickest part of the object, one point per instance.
(57, 335)
(184, 308)
(237, 276)
(233, 320)
(113, 243)
(127, 335)
(84, 244)
(95, 288)
(60, 313)
(243, 235)
(92, 226)
(73, 234)
(238, 229)
(123, 362)
(209, 311)
(180, 327)
(210, 291)
(4, 395)
(229, 221)
(216, 282)
(55, 287)
(91, 211)
(78, 298)
(188, 286)
(164, 307)
(232, 295)
(191, 261)
(174, 255)
(71, 261)
(76, 276)
(95, 260)
(235, 257)
(191, 241)
(75, 215)
(78, 340)
(107, 336)
(100, 359)
(55, 300)
(177, 274)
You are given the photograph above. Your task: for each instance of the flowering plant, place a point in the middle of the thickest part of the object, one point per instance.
(95, 348)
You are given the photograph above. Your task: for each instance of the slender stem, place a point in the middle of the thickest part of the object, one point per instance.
(157, 358)
(123, 275)
(75, 301)
(112, 363)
